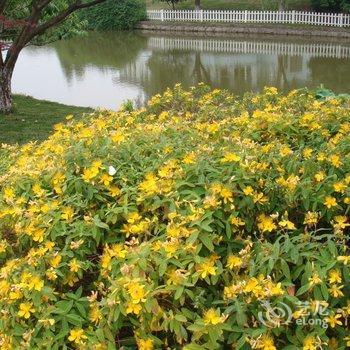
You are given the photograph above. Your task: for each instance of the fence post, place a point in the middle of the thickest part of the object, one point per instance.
(162, 15)
(201, 17)
(245, 16)
(293, 17)
(341, 20)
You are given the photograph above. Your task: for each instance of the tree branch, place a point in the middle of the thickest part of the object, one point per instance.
(78, 5)
(24, 36)
(2, 6)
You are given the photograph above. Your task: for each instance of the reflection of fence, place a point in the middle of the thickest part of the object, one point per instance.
(262, 47)
(290, 17)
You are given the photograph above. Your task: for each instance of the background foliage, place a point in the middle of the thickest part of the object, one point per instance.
(115, 15)
(331, 5)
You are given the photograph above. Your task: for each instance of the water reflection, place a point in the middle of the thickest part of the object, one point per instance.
(104, 69)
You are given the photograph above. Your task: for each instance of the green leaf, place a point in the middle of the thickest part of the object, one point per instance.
(285, 269)
(206, 240)
(303, 289)
(74, 320)
(180, 318)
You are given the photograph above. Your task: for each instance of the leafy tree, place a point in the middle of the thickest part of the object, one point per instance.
(122, 15)
(22, 22)
(171, 3)
(331, 5)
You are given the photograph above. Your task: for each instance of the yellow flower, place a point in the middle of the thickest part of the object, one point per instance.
(275, 289)
(55, 261)
(118, 137)
(285, 151)
(310, 343)
(95, 314)
(145, 344)
(248, 190)
(330, 202)
(207, 268)
(333, 320)
(15, 294)
(230, 158)
(235, 221)
(67, 213)
(38, 235)
(347, 339)
(320, 176)
(265, 343)
(340, 223)
(234, 261)
(335, 291)
(106, 179)
(71, 279)
(259, 197)
(134, 217)
(265, 223)
(35, 283)
(315, 279)
(226, 194)
(51, 274)
(9, 194)
(189, 158)
(231, 292)
(114, 191)
(137, 292)
(118, 251)
(334, 276)
(311, 218)
(307, 152)
(344, 259)
(37, 190)
(212, 317)
(335, 161)
(133, 308)
(77, 336)
(74, 265)
(90, 173)
(287, 224)
(339, 187)
(25, 309)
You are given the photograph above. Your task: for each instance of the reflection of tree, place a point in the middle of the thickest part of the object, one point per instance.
(160, 70)
(333, 73)
(282, 80)
(154, 68)
(200, 73)
(102, 50)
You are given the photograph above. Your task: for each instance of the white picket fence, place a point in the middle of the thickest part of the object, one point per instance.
(247, 47)
(288, 17)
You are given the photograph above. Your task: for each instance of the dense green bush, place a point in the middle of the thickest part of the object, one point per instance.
(115, 15)
(331, 5)
(203, 221)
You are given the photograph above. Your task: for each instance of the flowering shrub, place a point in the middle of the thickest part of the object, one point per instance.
(188, 224)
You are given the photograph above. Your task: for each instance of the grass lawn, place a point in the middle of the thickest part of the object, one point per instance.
(33, 119)
(232, 4)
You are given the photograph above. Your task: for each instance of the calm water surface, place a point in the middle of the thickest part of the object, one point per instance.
(105, 69)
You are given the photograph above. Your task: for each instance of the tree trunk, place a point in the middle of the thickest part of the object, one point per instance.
(5, 90)
(197, 4)
(282, 5)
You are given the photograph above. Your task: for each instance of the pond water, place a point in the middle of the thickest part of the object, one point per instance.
(105, 69)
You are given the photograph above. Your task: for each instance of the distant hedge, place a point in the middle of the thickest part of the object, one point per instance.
(331, 5)
(120, 15)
